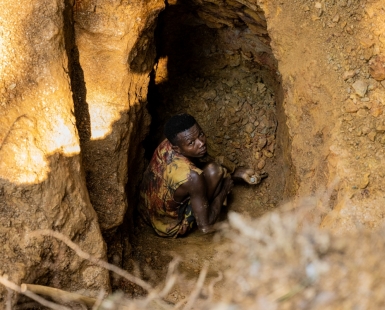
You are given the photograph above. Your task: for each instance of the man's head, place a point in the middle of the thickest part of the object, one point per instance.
(185, 135)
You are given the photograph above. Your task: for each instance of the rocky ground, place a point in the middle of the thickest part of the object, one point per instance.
(333, 101)
(233, 99)
(236, 110)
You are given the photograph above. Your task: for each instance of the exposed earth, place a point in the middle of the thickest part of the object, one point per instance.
(292, 88)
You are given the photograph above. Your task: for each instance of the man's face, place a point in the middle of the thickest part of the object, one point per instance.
(192, 142)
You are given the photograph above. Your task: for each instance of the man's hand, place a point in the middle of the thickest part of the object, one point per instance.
(248, 175)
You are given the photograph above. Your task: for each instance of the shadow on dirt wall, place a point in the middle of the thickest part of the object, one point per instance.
(118, 157)
(28, 207)
(60, 202)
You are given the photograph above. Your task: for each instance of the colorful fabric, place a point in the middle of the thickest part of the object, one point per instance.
(166, 172)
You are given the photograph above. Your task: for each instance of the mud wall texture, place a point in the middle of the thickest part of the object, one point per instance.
(115, 44)
(330, 59)
(65, 155)
(329, 56)
(42, 183)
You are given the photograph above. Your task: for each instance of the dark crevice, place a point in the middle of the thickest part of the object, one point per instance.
(76, 75)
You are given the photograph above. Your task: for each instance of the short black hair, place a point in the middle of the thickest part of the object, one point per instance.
(177, 124)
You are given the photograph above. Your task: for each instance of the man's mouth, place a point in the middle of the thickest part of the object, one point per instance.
(203, 150)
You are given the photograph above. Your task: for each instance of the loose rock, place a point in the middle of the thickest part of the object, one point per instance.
(364, 181)
(377, 69)
(372, 135)
(350, 107)
(261, 143)
(211, 94)
(267, 153)
(348, 74)
(360, 87)
(261, 164)
(249, 128)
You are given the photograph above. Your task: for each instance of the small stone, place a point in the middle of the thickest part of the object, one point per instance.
(372, 135)
(235, 60)
(318, 5)
(252, 180)
(362, 113)
(249, 128)
(365, 130)
(376, 110)
(270, 139)
(210, 95)
(247, 139)
(267, 153)
(261, 87)
(236, 145)
(234, 120)
(366, 42)
(370, 11)
(12, 86)
(350, 107)
(368, 53)
(348, 74)
(365, 181)
(380, 128)
(261, 164)
(261, 143)
(336, 18)
(271, 147)
(377, 68)
(360, 87)
(258, 155)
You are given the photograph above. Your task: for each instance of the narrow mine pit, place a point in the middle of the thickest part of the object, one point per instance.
(226, 77)
(295, 89)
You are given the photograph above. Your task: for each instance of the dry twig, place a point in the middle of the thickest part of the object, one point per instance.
(42, 301)
(93, 259)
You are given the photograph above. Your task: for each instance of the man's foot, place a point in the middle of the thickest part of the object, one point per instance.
(248, 175)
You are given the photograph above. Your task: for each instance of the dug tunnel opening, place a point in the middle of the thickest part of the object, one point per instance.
(215, 63)
(225, 75)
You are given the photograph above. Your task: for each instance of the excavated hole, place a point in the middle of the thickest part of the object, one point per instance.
(227, 79)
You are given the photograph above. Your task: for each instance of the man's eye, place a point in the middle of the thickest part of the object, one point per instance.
(191, 143)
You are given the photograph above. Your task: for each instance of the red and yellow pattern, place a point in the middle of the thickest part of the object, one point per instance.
(165, 173)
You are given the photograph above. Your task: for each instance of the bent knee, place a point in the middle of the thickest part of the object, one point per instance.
(213, 170)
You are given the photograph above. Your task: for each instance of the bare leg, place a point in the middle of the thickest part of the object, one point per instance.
(213, 174)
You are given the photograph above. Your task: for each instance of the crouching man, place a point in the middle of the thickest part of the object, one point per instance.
(178, 189)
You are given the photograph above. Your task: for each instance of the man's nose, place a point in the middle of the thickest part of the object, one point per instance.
(202, 142)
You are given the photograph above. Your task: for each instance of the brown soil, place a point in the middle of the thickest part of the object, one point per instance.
(233, 99)
(236, 100)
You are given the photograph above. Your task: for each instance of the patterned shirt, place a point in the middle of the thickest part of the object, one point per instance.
(166, 172)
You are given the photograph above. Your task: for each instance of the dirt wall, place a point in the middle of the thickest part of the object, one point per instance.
(328, 56)
(42, 183)
(329, 59)
(114, 41)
